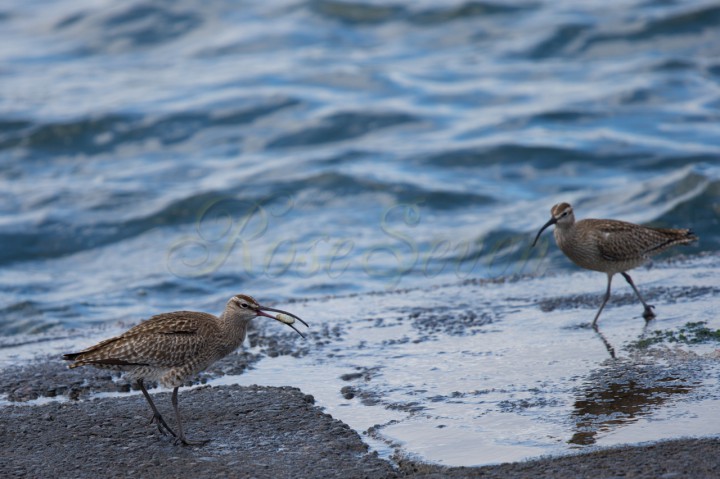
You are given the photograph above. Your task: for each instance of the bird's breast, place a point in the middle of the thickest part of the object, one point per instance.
(581, 251)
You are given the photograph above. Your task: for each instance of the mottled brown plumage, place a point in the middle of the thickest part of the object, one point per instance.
(171, 347)
(611, 246)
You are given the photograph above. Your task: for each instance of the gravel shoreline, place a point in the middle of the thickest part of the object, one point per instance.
(56, 422)
(272, 432)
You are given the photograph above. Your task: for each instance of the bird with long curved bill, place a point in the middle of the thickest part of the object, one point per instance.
(171, 347)
(611, 246)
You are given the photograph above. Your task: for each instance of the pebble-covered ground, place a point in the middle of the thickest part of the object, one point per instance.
(85, 422)
(271, 432)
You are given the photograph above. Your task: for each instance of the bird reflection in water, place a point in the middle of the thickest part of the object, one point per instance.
(622, 396)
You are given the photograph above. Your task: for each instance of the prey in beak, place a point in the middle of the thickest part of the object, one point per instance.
(282, 316)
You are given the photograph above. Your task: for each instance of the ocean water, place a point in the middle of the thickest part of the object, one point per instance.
(165, 155)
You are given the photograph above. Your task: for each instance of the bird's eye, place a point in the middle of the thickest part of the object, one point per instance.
(244, 305)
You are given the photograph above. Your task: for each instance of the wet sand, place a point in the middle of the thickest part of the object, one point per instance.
(86, 422)
(271, 432)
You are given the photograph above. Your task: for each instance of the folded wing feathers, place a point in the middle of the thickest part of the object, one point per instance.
(165, 340)
(622, 241)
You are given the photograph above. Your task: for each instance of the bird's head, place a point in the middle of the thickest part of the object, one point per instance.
(245, 307)
(561, 215)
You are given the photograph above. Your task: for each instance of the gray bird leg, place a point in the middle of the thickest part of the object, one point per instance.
(181, 438)
(607, 296)
(648, 314)
(157, 418)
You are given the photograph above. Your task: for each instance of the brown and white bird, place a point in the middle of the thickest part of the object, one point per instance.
(611, 246)
(171, 347)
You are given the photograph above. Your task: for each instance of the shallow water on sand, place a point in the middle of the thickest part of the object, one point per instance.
(483, 372)
(517, 382)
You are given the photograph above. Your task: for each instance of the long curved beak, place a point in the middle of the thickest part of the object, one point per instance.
(262, 309)
(552, 221)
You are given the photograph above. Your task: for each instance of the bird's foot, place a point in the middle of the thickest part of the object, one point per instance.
(648, 314)
(162, 426)
(182, 440)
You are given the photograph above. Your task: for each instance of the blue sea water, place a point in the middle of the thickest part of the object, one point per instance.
(158, 156)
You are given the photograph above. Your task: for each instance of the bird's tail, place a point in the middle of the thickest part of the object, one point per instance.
(690, 236)
(73, 357)
(673, 237)
(681, 236)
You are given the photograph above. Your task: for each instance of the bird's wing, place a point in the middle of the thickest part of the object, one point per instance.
(180, 322)
(166, 340)
(621, 241)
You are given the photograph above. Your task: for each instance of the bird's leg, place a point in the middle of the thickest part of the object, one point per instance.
(605, 300)
(648, 314)
(157, 418)
(181, 438)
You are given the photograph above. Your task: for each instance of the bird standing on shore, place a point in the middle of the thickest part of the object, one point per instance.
(170, 347)
(611, 246)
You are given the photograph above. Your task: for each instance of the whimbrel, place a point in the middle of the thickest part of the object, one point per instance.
(170, 347)
(611, 246)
